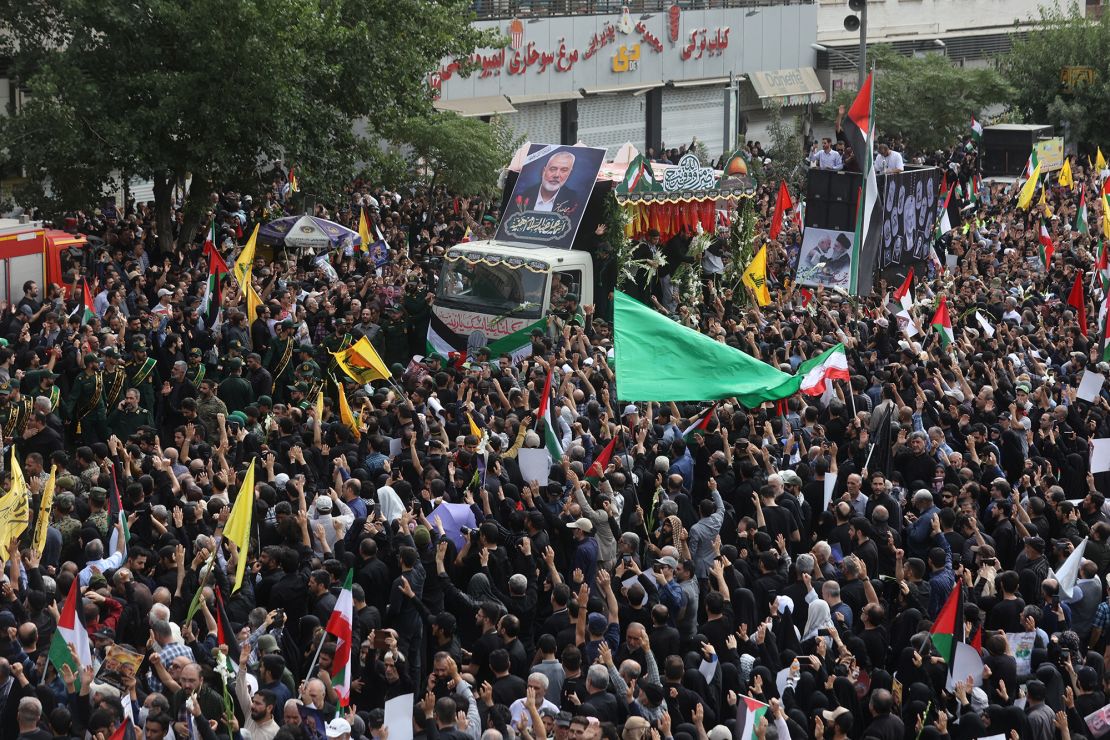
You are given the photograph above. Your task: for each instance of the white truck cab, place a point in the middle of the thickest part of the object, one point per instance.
(493, 294)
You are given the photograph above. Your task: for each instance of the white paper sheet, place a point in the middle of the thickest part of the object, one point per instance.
(395, 447)
(830, 486)
(1090, 385)
(1100, 455)
(535, 465)
(398, 717)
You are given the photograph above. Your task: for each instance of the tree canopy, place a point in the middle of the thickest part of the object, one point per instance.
(219, 91)
(1066, 38)
(927, 101)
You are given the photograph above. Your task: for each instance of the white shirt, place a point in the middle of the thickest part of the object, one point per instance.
(891, 162)
(829, 160)
(547, 206)
(104, 564)
(518, 712)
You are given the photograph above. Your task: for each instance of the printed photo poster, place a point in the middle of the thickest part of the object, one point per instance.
(910, 207)
(825, 258)
(550, 196)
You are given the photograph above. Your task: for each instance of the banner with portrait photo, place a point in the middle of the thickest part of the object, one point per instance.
(825, 258)
(549, 199)
(910, 204)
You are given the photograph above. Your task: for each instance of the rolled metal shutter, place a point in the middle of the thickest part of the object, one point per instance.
(611, 120)
(539, 124)
(695, 111)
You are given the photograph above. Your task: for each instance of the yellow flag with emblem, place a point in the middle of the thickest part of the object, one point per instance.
(38, 542)
(362, 362)
(345, 414)
(238, 526)
(1065, 178)
(364, 231)
(254, 301)
(755, 277)
(1100, 161)
(15, 513)
(1029, 188)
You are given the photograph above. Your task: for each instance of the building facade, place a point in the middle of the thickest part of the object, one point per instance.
(655, 75)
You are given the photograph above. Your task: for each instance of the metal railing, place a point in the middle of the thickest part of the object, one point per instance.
(491, 9)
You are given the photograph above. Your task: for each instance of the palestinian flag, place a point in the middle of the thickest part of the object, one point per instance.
(859, 131)
(976, 640)
(699, 424)
(976, 130)
(70, 632)
(1081, 215)
(904, 294)
(88, 312)
(1100, 278)
(942, 323)
(1078, 301)
(116, 512)
(342, 618)
(546, 428)
(832, 364)
(782, 205)
(443, 339)
(217, 272)
(1046, 248)
(944, 223)
(749, 713)
(225, 635)
(948, 628)
(976, 186)
(601, 462)
(126, 729)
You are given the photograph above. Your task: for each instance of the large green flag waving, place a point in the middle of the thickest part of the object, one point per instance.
(660, 360)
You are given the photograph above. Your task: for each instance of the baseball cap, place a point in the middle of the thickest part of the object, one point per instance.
(790, 478)
(630, 409)
(323, 504)
(667, 561)
(338, 727)
(267, 644)
(581, 523)
(1035, 542)
(596, 623)
(162, 292)
(562, 719)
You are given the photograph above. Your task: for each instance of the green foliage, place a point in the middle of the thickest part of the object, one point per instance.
(786, 153)
(926, 101)
(741, 247)
(464, 154)
(161, 89)
(1066, 38)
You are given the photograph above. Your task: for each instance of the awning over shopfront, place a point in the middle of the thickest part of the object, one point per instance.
(553, 97)
(787, 87)
(704, 82)
(635, 88)
(490, 105)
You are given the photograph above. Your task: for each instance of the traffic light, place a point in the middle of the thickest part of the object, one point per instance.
(852, 22)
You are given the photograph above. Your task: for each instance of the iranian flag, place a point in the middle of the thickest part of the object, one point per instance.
(1032, 165)
(749, 714)
(1046, 247)
(832, 364)
(70, 632)
(1078, 301)
(976, 130)
(601, 462)
(699, 424)
(547, 429)
(942, 323)
(638, 176)
(904, 294)
(217, 271)
(340, 625)
(1081, 215)
(88, 312)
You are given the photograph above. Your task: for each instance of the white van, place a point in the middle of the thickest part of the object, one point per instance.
(493, 294)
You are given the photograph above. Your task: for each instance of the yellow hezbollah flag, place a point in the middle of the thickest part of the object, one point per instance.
(319, 408)
(15, 514)
(345, 414)
(364, 231)
(361, 362)
(238, 527)
(473, 427)
(1100, 161)
(1105, 216)
(1064, 178)
(1030, 187)
(755, 277)
(254, 301)
(243, 262)
(39, 540)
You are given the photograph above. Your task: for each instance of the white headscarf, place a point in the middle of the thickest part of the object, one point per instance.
(392, 508)
(818, 619)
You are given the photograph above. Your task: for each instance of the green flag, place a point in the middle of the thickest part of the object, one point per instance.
(660, 360)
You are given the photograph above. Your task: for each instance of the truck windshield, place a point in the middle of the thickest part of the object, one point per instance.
(501, 288)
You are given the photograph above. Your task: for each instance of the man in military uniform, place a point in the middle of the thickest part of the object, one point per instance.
(209, 407)
(129, 416)
(115, 378)
(15, 410)
(64, 521)
(196, 370)
(84, 404)
(309, 374)
(234, 352)
(298, 396)
(279, 359)
(234, 390)
(340, 340)
(141, 373)
(41, 383)
(98, 506)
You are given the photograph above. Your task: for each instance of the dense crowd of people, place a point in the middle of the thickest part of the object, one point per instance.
(699, 588)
